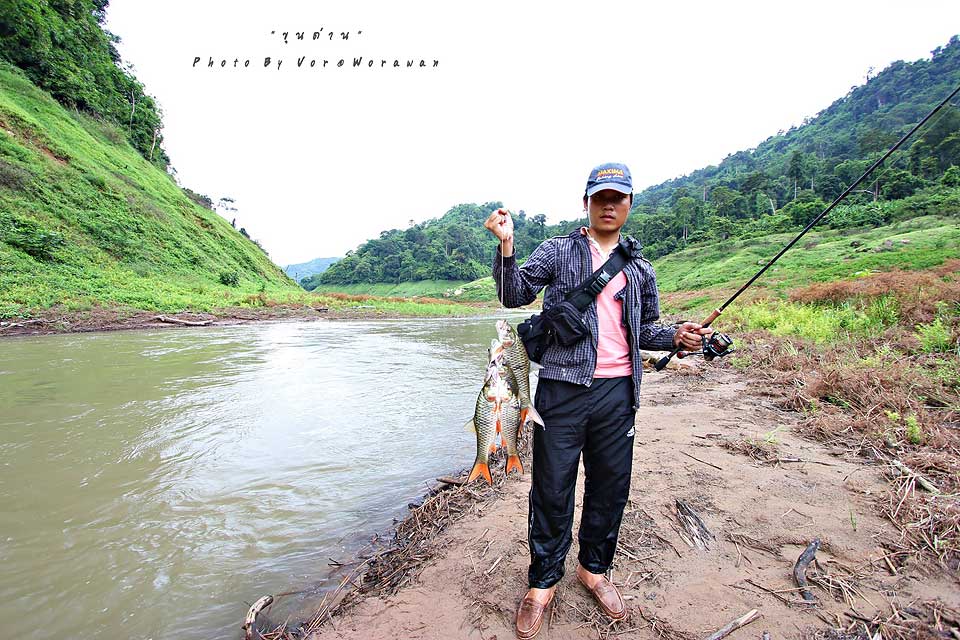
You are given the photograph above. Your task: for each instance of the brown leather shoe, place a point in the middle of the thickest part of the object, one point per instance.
(608, 597)
(530, 617)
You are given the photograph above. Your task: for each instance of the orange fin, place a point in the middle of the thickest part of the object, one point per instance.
(493, 448)
(534, 416)
(480, 469)
(513, 462)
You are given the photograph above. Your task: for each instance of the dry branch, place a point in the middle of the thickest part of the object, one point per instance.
(923, 482)
(800, 569)
(733, 625)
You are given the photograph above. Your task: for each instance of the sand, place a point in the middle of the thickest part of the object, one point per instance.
(761, 517)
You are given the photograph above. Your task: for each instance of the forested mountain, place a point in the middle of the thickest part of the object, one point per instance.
(306, 269)
(63, 48)
(454, 247)
(780, 185)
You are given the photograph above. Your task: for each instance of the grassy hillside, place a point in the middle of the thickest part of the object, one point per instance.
(85, 220)
(821, 255)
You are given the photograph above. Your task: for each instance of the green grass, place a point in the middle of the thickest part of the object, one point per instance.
(424, 288)
(86, 221)
(821, 323)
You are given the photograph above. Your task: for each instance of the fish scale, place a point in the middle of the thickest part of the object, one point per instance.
(485, 423)
(515, 355)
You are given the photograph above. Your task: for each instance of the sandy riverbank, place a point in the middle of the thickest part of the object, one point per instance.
(107, 319)
(695, 437)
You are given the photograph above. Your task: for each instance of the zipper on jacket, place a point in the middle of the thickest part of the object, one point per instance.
(584, 245)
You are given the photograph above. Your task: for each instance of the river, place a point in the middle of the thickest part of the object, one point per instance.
(153, 483)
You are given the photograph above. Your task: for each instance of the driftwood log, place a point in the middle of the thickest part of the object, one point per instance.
(733, 625)
(250, 622)
(186, 323)
(800, 569)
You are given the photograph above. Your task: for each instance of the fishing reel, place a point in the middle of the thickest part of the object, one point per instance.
(716, 346)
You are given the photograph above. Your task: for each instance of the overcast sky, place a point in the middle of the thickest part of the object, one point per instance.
(526, 98)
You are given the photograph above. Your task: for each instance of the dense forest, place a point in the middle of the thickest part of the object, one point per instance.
(778, 186)
(62, 47)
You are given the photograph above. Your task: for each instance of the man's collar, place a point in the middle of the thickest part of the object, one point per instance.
(584, 231)
(629, 243)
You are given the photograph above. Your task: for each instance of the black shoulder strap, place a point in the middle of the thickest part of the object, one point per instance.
(589, 289)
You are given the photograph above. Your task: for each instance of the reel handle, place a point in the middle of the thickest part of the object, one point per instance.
(662, 362)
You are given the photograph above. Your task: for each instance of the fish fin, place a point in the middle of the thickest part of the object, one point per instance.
(533, 416)
(493, 448)
(480, 469)
(470, 426)
(513, 462)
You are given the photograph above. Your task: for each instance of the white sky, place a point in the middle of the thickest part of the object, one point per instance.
(528, 97)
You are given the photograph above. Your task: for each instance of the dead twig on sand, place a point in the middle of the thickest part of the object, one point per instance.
(733, 625)
(693, 524)
(709, 464)
(800, 569)
(778, 594)
(907, 471)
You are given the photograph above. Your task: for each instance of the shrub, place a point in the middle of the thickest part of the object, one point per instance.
(229, 278)
(95, 180)
(13, 176)
(935, 336)
(914, 433)
(951, 177)
(29, 236)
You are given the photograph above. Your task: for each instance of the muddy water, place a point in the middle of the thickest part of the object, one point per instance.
(152, 483)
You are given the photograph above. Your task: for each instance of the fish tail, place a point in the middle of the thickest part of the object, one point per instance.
(480, 469)
(513, 462)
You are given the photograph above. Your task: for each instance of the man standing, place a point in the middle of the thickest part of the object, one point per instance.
(588, 393)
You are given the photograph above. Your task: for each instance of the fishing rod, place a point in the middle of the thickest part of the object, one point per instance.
(719, 345)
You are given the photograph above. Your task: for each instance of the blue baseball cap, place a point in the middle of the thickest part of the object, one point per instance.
(611, 175)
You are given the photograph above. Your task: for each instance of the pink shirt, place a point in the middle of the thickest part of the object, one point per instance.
(613, 350)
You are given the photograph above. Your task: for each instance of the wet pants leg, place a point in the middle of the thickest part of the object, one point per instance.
(597, 422)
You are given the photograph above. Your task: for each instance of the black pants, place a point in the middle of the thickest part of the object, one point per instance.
(597, 421)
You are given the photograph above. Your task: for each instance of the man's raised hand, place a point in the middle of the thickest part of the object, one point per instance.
(500, 225)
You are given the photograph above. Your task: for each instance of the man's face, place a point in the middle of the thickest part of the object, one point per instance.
(608, 210)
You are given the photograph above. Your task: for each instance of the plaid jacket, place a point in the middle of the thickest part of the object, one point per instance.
(561, 263)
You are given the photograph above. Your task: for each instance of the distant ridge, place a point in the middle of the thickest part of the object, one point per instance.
(306, 269)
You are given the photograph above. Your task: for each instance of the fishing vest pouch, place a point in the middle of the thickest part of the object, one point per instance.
(561, 324)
